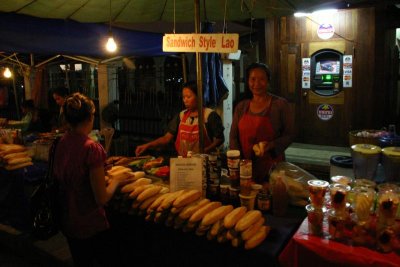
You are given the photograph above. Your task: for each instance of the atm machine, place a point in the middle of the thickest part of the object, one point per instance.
(326, 72)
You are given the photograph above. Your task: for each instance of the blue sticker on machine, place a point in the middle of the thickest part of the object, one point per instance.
(325, 112)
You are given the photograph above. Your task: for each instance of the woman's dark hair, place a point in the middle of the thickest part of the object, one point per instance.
(192, 85)
(61, 91)
(257, 65)
(247, 93)
(77, 108)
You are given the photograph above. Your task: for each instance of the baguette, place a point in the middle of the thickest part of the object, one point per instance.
(200, 213)
(247, 220)
(192, 208)
(175, 210)
(142, 181)
(149, 192)
(234, 216)
(217, 227)
(221, 238)
(136, 204)
(259, 237)
(253, 229)
(115, 169)
(157, 202)
(236, 242)
(167, 202)
(145, 204)
(127, 188)
(138, 189)
(18, 166)
(16, 155)
(139, 174)
(11, 148)
(187, 198)
(14, 161)
(216, 214)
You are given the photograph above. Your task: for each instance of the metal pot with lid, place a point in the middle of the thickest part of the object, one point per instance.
(391, 163)
(366, 158)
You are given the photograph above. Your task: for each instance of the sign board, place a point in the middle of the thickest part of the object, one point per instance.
(347, 71)
(325, 112)
(186, 173)
(305, 76)
(201, 42)
(325, 31)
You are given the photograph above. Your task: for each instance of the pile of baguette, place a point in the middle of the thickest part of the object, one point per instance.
(14, 156)
(187, 210)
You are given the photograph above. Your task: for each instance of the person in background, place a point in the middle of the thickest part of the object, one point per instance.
(183, 129)
(32, 117)
(29, 114)
(59, 94)
(263, 124)
(83, 191)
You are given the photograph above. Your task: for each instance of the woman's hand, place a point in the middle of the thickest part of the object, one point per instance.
(260, 148)
(140, 149)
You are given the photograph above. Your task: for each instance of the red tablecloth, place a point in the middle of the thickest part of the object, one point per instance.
(308, 250)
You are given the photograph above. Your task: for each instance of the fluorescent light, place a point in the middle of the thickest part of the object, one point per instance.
(326, 12)
(300, 14)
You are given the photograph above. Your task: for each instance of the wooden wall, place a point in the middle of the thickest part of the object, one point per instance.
(288, 39)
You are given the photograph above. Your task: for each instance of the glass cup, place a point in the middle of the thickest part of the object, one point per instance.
(317, 190)
(336, 224)
(364, 182)
(315, 218)
(388, 202)
(363, 202)
(339, 179)
(338, 194)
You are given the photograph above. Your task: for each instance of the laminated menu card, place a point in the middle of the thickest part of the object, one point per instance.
(186, 173)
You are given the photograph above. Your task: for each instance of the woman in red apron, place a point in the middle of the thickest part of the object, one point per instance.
(264, 119)
(184, 128)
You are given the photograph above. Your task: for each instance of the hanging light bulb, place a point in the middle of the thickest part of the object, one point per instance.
(7, 73)
(111, 45)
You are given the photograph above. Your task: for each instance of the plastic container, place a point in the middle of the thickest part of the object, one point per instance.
(341, 166)
(366, 158)
(317, 189)
(315, 220)
(338, 196)
(391, 163)
(248, 201)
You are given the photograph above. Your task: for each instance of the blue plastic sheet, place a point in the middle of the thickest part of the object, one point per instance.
(26, 34)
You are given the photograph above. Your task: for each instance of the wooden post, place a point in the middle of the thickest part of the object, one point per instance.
(103, 90)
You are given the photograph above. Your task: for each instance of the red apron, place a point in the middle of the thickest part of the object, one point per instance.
(252, 130)
(187, 138)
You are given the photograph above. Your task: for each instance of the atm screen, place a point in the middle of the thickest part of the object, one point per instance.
(327, 67)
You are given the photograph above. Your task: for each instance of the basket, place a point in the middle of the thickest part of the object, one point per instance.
(354, 139)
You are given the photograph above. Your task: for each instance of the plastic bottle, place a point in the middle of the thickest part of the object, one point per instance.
(280, 195)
